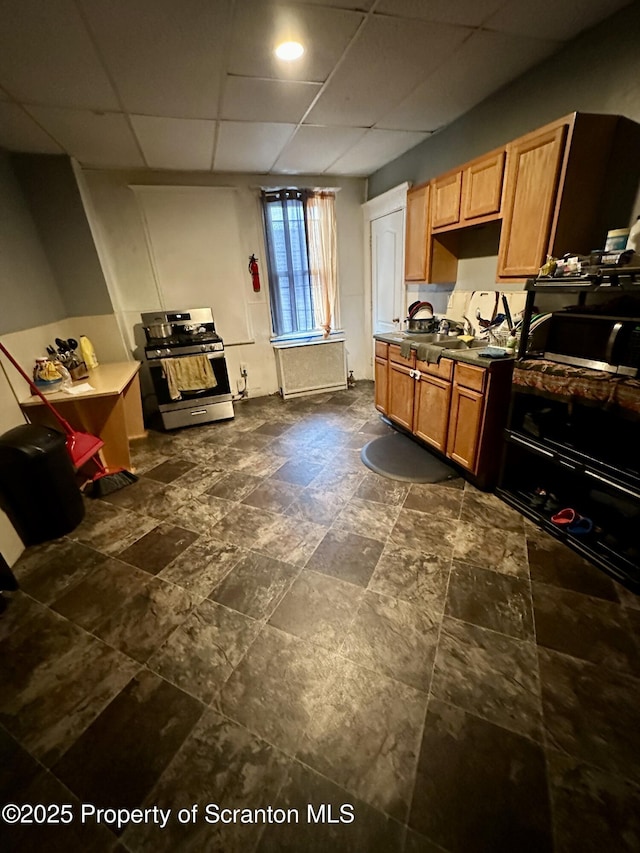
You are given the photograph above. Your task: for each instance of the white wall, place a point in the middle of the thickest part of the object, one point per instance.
(119, 229)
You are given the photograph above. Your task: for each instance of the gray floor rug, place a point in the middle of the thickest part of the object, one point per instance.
(399, 458)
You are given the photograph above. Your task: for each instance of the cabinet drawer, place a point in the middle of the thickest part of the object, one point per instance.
(382, 349)
(443, 370)
(471, 377)
(394, 355)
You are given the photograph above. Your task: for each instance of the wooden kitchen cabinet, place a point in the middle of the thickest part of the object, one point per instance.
(465, 423)
(381, 366)
(482, 187)
(416, 243)
(553, 191)
(401, 388)
(431, 410)
(445, 202)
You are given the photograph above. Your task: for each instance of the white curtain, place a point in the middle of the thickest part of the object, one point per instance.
(323, 268)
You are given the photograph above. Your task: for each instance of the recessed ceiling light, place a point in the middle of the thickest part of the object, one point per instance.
(289, 50)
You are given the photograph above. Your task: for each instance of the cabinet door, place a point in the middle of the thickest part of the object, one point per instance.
(533, 169)
(401, 391)
(382, 384)
(431, 411)
(446, 200)
(482, 186)
(415, 252)
(465, 424)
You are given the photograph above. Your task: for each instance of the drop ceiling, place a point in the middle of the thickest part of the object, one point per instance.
(194, 84)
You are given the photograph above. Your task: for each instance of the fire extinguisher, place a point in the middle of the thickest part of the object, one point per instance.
(255, 273)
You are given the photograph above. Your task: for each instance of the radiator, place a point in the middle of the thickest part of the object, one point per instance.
(310, 368)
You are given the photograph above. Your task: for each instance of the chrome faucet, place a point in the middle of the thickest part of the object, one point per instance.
(468, 328)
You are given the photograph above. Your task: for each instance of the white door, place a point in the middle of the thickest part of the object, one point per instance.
(387, 271)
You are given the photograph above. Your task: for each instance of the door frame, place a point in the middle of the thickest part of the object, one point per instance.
(381, 205)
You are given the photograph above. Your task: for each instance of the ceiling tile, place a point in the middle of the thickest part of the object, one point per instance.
(471, 13)
(313, 149)
(95, 139)
(465, 79)
(19, 132)
(375, 73)
(259, 27)
(550, 19)
(46, 56)
(267, 100)
(175, 143)
(246, 146)
(373, 150)
(164, 56)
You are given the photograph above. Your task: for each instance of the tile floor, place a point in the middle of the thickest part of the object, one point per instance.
(260, 620)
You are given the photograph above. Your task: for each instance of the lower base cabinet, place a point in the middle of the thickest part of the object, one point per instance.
(457, 408)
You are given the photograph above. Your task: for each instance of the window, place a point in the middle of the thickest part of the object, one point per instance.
(301, 234)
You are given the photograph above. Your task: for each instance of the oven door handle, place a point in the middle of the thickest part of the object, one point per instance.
(613, 337)
(210, 355)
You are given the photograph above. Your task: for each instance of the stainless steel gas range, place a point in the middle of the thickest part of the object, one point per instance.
(188, 367)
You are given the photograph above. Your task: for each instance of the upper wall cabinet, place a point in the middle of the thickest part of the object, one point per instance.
(482, 187)
(445, 204)
(553, 192)
(417, 233)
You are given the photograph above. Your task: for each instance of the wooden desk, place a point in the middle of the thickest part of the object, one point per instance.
(113, 410)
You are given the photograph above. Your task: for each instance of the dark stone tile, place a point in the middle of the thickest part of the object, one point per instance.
(142, 623)
(553, 563)
(56, 569)
(587, 628)
(170, 470)
(273, 495)
(316, 505)
(416, 843)
(300, 473)
(45, 789)
(479, 787)
(110, 529)
(234, 487)
(593, 811)
(488, 510)
(318, 609)
(492, 548)
(290, 540)
(416, 577)
(242, 525)
(251, 441)
(376, 426)
(436, 500)
(277, 688)
(365, 736)
(118, 759)
(630, 600)
(21, 609)
(591, 713)
(488, 674)
(199, 480)
(96, 597)
(158, 548)
(374, 487)
(255, 586)
(56, 680)
(275, 428)
(347, 556)
(394, 638)
(203, 565)
(418, 532)
(200, 655)
(219, 763)
(202, 513)
(17, 769)
(367, 518)
(491, 600)
(364, 829)
(152, 499)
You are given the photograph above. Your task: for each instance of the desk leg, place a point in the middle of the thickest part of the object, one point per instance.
(133, 409)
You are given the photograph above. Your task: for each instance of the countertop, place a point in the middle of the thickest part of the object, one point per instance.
(107, 380)
(468, 355)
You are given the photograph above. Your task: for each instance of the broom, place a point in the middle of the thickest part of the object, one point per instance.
(81, 446)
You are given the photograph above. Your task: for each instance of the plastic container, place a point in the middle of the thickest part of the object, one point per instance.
(38, 489)
(88, 352)
(616, 240)
(633, 240)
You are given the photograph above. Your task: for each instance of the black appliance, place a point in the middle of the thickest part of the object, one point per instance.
(597, 341)
(185, 334)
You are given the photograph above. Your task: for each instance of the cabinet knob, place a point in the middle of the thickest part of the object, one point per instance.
(396, 320)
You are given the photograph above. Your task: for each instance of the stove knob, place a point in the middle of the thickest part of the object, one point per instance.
(203, 347)
(158, 352)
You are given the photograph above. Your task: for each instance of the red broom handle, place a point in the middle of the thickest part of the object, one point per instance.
(35, 390)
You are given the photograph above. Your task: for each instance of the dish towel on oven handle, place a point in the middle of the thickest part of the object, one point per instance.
(188, 373)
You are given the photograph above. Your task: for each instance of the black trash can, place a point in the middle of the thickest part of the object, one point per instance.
(38, 489)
